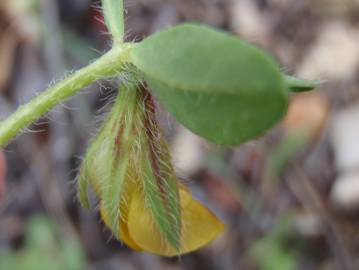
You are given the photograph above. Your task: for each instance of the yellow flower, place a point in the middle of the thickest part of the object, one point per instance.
(138, 230)
(128, 165)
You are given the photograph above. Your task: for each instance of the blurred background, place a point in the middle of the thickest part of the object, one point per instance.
(290, 200)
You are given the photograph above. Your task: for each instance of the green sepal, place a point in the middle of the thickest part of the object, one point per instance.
(82, 188)
(158, 177)
(90, 170)
(215, 84)
(106, 164)
(122, 127)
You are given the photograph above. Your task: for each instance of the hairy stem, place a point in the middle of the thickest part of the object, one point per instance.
(108, 65)
(114, 17)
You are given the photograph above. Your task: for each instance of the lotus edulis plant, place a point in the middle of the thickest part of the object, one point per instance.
(215, 84)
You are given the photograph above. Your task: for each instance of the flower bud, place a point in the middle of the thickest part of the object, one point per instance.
(128, 165)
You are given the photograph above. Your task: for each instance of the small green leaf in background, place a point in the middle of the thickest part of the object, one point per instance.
(43, 250)
(283, 153)
(215, 84)
(270, 253)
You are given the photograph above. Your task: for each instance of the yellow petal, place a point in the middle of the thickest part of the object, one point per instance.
(122, 233)
(126, 238)
(123, 230)
(199, 226)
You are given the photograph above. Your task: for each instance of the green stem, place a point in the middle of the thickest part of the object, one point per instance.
(113, 11)
(108, 65)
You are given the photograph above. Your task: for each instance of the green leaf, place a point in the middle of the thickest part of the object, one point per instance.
(114, 17)
(271, 253)
(44, 249)
(284, 153)
(215, 84)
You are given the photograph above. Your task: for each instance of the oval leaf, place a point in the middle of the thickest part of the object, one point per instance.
(216, 85)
